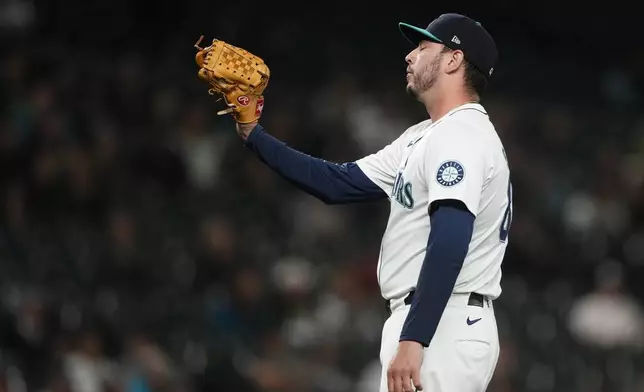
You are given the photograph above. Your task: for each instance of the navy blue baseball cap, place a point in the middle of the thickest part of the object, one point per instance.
(458, 31)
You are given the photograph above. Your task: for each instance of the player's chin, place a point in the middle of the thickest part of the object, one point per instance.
(410, 89)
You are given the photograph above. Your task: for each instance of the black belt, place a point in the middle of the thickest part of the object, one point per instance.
(474, 300)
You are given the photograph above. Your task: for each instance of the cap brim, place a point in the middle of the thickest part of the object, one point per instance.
(416, 34)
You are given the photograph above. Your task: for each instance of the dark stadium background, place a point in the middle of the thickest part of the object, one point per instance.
(143, 249)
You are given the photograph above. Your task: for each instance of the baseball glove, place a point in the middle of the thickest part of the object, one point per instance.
(239, 76)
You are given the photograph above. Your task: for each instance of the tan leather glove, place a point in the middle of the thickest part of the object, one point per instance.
(237, 75)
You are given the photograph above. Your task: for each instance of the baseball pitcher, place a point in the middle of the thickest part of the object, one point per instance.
(448, 183)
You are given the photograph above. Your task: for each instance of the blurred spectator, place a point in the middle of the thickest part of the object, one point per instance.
(146, 368)
(609, 317)
(87, 368)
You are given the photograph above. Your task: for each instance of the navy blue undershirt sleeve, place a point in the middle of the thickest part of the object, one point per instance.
(330, 182)
(449, 239)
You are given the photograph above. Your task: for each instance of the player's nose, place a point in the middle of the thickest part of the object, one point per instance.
(408, 58)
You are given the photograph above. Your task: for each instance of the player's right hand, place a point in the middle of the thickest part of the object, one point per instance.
(403, 374)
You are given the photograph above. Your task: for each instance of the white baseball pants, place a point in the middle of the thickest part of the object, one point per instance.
(462, 355)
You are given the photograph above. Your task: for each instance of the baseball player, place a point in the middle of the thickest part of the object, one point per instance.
(448, 183)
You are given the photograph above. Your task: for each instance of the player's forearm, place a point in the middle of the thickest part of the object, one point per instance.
(330, 182)
(451, 231)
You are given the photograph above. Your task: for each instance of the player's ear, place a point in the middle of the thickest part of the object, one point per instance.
(456, 59)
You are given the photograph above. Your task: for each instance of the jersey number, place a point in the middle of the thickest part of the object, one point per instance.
(507, 216)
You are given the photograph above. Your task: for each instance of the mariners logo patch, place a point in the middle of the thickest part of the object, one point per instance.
(450, 173)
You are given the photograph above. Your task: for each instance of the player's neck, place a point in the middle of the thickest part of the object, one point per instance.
(439, 106)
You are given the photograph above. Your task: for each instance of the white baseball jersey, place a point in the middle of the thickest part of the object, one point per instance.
(460, 156)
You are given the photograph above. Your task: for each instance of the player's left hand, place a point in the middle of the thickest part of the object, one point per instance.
(403, 374)
(237, 75)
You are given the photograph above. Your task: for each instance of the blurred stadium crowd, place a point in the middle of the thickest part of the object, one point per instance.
(144, 250)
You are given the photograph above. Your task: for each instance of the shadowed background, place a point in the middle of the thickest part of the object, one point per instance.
(143, 249)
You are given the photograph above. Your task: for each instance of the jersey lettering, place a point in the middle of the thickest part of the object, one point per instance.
(402, 192)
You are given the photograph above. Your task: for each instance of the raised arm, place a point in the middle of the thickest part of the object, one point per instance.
(332, 183)
(241, 77)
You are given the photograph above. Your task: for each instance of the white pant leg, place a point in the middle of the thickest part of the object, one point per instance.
(460, 357)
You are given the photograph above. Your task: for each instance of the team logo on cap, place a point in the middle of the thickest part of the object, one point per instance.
(450, 173)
